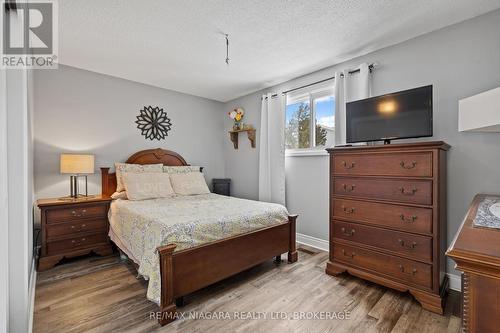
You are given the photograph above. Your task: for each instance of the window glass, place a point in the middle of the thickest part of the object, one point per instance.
(324, 121)
(310, 120)
(298, 125)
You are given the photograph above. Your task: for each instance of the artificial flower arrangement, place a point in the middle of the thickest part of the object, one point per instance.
(237, 115)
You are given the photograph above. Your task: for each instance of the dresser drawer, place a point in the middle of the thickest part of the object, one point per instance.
(75, 227)
(394, 267)
(75, 243)
(55, 215)
(398, 190)
(379, 164)
(406, 218)
(416, 246)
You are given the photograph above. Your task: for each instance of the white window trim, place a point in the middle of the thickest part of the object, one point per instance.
(309, 96)
(306, 152)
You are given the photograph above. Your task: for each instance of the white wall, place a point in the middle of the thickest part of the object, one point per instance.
(16, 199)
(4, 210)
(460, 61)
(86, 112)
(20, 200)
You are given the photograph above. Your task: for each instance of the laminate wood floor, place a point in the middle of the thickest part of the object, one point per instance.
(96, 294)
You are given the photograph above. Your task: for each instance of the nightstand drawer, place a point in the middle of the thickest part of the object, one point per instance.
(55, 215)
(75, 227)
(74, 243)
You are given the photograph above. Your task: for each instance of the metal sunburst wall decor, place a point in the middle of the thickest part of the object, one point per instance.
(153, 123)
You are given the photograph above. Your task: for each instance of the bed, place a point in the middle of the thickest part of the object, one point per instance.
(188, 243)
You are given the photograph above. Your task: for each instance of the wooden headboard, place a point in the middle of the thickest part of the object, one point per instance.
(149, 156)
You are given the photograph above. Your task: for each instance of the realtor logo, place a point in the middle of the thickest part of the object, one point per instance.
(29, 37)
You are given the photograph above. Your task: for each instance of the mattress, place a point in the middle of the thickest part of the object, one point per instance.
(187, 221)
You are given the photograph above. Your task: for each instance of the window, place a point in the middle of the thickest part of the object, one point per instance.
(310, 120)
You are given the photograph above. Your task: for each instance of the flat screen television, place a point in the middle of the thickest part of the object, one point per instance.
(400, 115)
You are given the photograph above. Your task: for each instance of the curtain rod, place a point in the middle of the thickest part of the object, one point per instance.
(370, 67)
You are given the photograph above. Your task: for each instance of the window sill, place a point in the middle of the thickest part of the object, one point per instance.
(306, 152)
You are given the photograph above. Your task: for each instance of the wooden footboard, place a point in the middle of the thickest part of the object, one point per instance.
(188, 270)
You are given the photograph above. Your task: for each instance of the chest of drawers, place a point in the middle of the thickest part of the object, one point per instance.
(73, 228)
(388, 217)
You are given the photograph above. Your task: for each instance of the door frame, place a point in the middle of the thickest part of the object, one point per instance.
(4, 208)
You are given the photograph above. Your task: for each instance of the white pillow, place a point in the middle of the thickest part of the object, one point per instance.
(142, 186)
(190, 183)
(138, 168)
(181, 169)
(119, 195)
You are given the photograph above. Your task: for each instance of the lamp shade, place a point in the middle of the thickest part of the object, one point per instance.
(77, 164)
(480, 113)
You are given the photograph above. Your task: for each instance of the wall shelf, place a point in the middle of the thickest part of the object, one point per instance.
(250, 133)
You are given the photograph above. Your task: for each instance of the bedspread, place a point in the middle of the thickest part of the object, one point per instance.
(186, 221)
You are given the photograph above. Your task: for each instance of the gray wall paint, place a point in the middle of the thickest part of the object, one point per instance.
(460, 61)
(242, 164)
(307, 193)
(85, 112)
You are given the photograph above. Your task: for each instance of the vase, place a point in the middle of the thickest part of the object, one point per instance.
(238, 125)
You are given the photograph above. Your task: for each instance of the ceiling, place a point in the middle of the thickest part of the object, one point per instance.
(179, 45)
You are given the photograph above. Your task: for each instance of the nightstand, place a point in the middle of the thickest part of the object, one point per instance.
(73, 228)
(222, 186)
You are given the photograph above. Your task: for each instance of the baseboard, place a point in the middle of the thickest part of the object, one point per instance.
(314, 242)
(321, 244)
(32, 285)
(455, 282)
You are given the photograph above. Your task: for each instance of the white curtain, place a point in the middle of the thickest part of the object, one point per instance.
(272, 149)
(348, 88)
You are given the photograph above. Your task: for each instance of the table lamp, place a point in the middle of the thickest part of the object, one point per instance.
(76, 166)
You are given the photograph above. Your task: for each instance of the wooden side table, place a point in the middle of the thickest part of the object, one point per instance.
(476, 251)
(72, 228)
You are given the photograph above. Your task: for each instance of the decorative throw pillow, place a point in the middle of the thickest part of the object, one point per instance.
(137, 168)
(189, 183)
(181, 169)
(119, 195)
(142, 186)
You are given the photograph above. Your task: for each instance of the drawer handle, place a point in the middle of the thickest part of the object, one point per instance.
(408, 219)
(348, 188)
(76, 243)
(402, 270)
(83, 212)
(348, 210)
(408, 246)
(410, 192)
(345, 254)
(348, 166)
(408, 166)
(79, 229)
(349, 234)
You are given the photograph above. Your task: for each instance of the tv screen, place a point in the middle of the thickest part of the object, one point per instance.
(400, 115)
